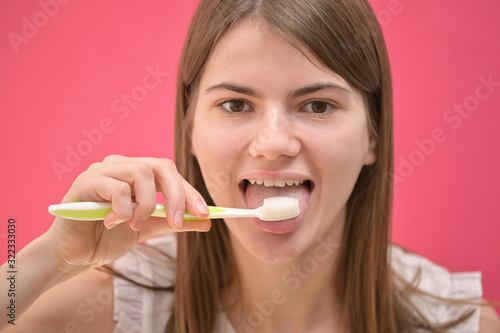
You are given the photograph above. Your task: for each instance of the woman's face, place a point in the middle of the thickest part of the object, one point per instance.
(272, 121)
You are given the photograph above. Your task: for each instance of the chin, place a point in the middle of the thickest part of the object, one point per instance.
(251, 240)
(269, 246)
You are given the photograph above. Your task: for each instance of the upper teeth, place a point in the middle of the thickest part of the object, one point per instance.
(278, 183)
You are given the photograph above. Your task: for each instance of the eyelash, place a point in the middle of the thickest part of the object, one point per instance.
(247, 107)
(329, 108)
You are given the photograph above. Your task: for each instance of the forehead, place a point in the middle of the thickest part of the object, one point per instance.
(250, 49)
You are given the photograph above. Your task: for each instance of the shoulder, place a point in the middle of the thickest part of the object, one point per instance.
(83, 303)
(433, 278)
(438, 294)
(489, 321)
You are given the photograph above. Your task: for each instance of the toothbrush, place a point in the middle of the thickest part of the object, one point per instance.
(273, 209)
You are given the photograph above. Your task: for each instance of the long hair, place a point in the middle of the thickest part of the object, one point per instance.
(345, 36)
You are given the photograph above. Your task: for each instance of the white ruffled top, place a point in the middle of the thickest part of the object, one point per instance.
(141, 310)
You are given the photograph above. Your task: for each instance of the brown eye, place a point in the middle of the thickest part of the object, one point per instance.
(235, 106)
(318, 107)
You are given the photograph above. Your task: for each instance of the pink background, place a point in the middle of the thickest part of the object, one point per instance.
(66, 77)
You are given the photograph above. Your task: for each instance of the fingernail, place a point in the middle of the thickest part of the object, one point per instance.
(112, 225)
(179, 218)
(201, 207)
(138, 225)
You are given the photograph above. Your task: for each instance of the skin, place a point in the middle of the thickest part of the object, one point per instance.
(275, 138)
(280, 137)
(55, 265)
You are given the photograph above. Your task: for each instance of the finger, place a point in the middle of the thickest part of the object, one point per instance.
(195, 203)
(157, 226)
(171, 185)
(96, 187)
(167, 181)
(140, 176)
(116, 158)
(158, 164)
(145, 195)
(178, 193)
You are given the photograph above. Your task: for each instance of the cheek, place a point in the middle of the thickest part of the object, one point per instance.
(213, 147)
(342, 148)
(210, 136)
(217, 153)
(342, 153)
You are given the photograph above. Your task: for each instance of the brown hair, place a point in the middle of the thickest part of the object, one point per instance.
(346, 37)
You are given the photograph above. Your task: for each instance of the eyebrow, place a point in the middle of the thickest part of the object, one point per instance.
(294, 94)
(236, 88)
(316, 87)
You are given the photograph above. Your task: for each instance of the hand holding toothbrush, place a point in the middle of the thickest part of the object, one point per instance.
(123, 181)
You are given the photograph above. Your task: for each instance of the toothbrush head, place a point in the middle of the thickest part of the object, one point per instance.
(278, 208)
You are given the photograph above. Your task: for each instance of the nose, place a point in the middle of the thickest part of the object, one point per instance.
(274, 137)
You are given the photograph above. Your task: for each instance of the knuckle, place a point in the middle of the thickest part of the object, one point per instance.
(145, 169)
(80, 179)
(123, 189)
(112, 158)
(166, 169)
(166, 163)
(94, 166)
(85, 177)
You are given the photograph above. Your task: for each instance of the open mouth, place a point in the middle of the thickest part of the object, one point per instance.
(280, 183)
(255, 190)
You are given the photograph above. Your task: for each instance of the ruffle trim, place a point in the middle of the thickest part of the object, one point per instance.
(138, 309)
(438, 281)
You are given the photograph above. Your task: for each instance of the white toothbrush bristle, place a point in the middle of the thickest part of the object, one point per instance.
(279, 208)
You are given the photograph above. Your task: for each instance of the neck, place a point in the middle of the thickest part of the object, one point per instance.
(295, 295)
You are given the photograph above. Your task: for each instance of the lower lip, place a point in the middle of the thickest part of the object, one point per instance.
(279, 227)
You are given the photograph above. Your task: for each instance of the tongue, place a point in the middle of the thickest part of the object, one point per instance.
(257, 193)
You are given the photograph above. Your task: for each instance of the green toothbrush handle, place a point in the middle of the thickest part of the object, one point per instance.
(94, 211)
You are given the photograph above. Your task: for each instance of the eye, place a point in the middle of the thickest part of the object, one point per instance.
(235, 106)
(318, 107)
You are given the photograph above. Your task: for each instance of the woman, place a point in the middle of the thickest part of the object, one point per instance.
(274, 98)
